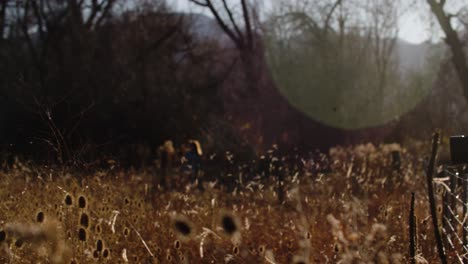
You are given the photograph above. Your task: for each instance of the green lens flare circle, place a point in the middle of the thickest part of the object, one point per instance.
(342, 82)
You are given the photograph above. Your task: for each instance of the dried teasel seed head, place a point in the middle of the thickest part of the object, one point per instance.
(177, 244)
(82, 234)
(229, 223)
(40, 217)
(235, 250)
(19, 243)
(182, 226)
(84, 220)
(68, 200)
(126, 232)
(99, 245)
(81, 202)
(2, 235)
(98, 229)
(261, 249)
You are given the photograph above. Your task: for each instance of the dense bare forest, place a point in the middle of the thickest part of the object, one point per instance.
(101, 77)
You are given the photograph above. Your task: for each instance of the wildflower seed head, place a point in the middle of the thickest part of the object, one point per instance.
(81, 202)
(230, 224)
(68, 200)
(84, 220)
(98, 229)
(82, 234)
(183, 227)
(19, 243)
(99, 245)
(40, 217)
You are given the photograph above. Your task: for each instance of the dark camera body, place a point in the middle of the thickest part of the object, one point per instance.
(459, 149)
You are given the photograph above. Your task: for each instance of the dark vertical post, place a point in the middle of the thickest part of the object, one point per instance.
(446, 198)
(453, 200)
(412, 231)
(465, 211)
(432, 202)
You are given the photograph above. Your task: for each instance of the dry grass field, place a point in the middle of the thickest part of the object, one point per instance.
(356, 211)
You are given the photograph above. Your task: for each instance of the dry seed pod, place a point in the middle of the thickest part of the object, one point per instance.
(98, 229)
(261, 249)
(183, 227)
(68, 200)
(84, 220)
(2, 235)
(177, 244)
(126, 232)
(235, 250)
(82, 202)
(19, 243)
(99, 245)
(82, 234)
(230, 223)
(40, 217)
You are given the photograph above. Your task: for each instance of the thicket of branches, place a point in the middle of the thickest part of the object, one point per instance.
(79, 78)
(98, 75)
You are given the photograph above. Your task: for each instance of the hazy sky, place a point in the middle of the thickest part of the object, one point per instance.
(414, 25)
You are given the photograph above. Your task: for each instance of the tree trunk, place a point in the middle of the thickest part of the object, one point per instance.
(453, 41)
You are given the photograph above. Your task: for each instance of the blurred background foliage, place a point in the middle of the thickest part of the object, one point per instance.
(84, 78)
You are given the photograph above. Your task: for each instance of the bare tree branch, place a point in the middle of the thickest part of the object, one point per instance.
(233, 21)
(199, 3)
(247, 22)
(330, 14)
(453, 41)
(103, 9)
(222, 24)
(3, 8)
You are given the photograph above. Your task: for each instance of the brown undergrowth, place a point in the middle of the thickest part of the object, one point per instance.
(354, 212)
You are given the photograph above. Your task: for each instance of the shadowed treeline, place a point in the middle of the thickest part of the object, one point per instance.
(83, 79)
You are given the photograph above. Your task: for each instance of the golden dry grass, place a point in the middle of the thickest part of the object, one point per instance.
(357, 213)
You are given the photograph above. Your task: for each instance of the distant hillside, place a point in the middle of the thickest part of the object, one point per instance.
(412, 57)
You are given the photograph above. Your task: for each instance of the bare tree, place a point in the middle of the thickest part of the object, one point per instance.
(241, 31)
(3, 8)
(453, 40)
(314, 47)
